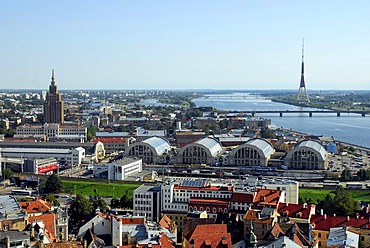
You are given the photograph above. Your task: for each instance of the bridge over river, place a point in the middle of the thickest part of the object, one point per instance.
(309, 112)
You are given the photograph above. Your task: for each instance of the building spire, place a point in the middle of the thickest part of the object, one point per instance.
(52, 77)
(302, 85)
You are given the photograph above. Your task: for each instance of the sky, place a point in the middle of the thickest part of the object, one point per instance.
(184, 44)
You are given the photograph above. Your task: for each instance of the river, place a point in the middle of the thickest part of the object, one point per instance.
(350, 128)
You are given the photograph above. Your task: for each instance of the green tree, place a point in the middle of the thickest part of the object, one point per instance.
(346, 175)
(99, 203)
(51, 198)
(91, 132)
(115, 203)
(363, 174)
(80, 208)
(8, 173)
(342, 204)
(53, 184)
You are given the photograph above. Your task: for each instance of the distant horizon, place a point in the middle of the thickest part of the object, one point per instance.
(185, 44)
(199, 90)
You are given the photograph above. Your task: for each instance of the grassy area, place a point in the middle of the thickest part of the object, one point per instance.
(103, 189)
(318, 194)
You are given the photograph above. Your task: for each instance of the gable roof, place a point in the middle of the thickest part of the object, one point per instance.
(267, 197)
(49, 222)
(214, 235)
(36, 206)
(301, 211)
(242, 197)
(325, 222)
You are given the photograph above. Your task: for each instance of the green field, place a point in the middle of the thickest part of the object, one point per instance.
(318, 194)
(103, 189)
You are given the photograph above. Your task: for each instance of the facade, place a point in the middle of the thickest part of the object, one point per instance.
(93, 151)
(121, 169)
(151, 151)
(186, 137)
(39, 166)
(63, 156)
(307, 154)
(203, 151)
(255, 152)
(113, 141)
(147, 201)
(53, 106)
(52, 131)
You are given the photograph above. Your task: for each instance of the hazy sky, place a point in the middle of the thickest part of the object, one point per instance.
(186, 44)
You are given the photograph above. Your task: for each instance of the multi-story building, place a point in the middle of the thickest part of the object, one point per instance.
(52, 131)
(147, 201)
(120, 169)
(53, 106)
(12, 217)
(113, 141)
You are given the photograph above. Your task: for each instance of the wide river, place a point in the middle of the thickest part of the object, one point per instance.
(351, 128)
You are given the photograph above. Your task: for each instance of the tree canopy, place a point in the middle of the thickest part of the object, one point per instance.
(79, 209)
(53, 184)
(342, 204)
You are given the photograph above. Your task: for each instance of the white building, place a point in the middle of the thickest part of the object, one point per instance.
(52, 130)
(121, 169)
(63, 156)
(147, 201)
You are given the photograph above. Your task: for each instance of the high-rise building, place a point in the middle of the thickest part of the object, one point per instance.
(53, 106)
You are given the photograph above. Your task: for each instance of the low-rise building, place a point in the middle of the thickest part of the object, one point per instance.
(12, 217)
(63, 156)
(123, 168)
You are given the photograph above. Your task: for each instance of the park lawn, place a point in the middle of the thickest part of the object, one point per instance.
(319, 194)
(103, 189)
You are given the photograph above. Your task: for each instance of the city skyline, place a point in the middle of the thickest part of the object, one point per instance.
(184, 44)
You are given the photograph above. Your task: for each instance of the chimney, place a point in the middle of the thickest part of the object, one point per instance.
(324, 216)
(305, 205)
(334, 214)
(321, 211)
(347, 218)
(367, 208)
(287, 204)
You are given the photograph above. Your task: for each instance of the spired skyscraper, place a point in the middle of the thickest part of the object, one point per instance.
(53, 106)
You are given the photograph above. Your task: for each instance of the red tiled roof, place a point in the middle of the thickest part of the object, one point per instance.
(269, 197)
(36, 206)
(295, 210)
(251, 214)
(242, 197)
(208, 201)
(324, 222)
(49, 222)
(132, 221)
(215, 235)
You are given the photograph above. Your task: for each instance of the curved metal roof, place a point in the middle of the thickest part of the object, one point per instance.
(212, 145)
(312, 144)
(262, 145)
(160, 145)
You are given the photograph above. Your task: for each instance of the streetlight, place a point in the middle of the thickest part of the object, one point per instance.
(75, 189)
(113, 192)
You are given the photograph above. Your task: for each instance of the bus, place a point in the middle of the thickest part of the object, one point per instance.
(353, 185)
(331, 184)
(21, 192)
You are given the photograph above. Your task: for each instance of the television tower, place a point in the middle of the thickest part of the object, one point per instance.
(302, 85)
